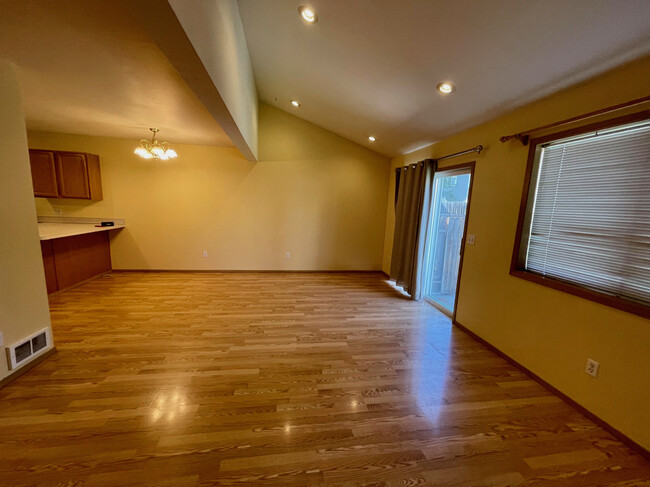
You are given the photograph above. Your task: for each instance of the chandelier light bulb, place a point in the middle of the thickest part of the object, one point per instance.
(155, 149)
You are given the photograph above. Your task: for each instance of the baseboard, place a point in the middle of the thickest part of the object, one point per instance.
(77, 284)
(581, 409)
(260, 271)
(14, 375)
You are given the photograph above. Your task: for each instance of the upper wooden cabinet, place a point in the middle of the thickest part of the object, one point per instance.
(58, 174)
(94, 177)
(43, 173)
(72, 175)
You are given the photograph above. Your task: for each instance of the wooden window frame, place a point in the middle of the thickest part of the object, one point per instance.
(517, 270)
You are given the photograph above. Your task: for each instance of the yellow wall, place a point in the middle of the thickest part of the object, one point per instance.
(23, 298)
(549, 332)
(313, 194)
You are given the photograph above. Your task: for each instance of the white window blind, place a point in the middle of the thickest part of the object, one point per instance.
(590, 222)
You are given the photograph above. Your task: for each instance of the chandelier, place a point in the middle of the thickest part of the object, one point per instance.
(155, 149)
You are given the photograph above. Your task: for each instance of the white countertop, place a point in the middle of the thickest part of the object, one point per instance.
(49, 231)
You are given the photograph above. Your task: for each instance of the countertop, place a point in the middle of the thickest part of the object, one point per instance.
(50, 228)
(49, 231)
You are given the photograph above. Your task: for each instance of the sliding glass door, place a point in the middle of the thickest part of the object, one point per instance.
(445, 237)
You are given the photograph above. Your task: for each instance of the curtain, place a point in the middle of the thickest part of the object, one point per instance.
(412, 209)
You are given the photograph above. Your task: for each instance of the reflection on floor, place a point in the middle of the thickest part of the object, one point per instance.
(445, 300)
(183, 379)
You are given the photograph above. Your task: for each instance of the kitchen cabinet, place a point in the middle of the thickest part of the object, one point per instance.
(43, 173)
(71, 260)
(59, 174)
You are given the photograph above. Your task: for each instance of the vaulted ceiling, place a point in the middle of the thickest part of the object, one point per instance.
(370, 67)
(367, 67)
(88, 67)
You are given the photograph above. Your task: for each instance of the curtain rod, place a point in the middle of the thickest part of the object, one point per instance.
(524, 136)
(476, 149)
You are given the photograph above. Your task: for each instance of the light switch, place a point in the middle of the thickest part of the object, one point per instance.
(471, 238)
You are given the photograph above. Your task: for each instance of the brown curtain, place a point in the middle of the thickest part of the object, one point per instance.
(413, 202)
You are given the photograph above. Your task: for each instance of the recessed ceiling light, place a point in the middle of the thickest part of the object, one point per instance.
(295, 103)
(446, 87)
(371, 138)
(308, 14)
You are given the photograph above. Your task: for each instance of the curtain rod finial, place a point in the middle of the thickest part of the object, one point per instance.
(520, 137)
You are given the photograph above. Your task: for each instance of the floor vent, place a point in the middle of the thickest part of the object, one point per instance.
(27, 349)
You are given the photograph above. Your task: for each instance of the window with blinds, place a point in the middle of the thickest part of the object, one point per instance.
(587, 219)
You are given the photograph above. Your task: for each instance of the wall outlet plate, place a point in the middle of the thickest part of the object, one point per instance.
(471, 238)
(205, 253)
(592, 367)
(288, 255)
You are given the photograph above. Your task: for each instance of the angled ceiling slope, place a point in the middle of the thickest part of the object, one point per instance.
(89, 68)
(370, 67)
(205, 42)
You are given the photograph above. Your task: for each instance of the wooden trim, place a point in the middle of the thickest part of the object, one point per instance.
(439, 307)
(466, 165)
(455, 167)
(253, 271)
(14, 375)
(604, 124)
(586, 293)
(623, 438)
(523, 136)
(77, 284)
(570, 288)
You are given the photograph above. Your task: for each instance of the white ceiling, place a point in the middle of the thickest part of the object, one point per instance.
(87, 67)
(370, 67)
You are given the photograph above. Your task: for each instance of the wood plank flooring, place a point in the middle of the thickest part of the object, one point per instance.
(214, 379)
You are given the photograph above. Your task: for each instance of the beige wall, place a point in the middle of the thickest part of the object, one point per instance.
(23, 298)
(313, 194)
(549, 332)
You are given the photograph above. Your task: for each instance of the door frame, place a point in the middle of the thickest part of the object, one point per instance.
(465, 165)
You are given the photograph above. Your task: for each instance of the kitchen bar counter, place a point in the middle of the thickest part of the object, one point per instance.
(49, 231)
(53, 227)
(74, 249)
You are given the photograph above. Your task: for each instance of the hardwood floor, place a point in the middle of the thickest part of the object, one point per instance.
(186, 379)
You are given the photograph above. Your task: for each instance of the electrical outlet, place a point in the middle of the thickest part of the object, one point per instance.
(471, 238)
(205, 253)
(592, 367)
(57, 211)
(288, 255)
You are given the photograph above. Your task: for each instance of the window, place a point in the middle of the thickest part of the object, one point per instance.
(584, 226)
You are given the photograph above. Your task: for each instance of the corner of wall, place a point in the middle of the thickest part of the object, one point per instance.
(24, 307)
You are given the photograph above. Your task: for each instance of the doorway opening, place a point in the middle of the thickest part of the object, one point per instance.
(445, 241)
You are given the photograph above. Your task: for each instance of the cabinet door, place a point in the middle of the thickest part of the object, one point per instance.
(43, 173)
(72, 172)
(94, 177)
